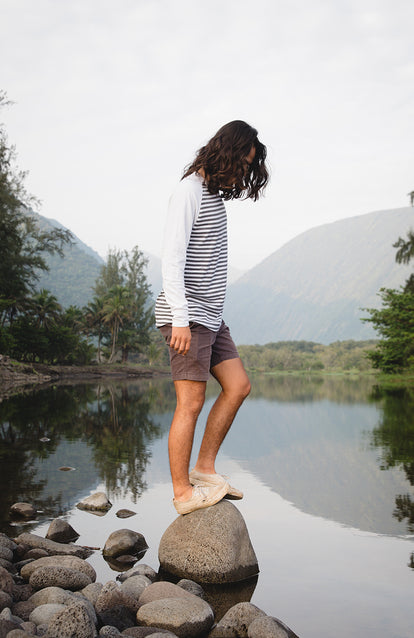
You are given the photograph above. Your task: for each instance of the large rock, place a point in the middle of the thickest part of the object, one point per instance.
(53, 548)
(72, 622)
(23, 510)
(97, 502)
(61, 531)
(269, 627)
(210, 545)
(6, 581)
(236, 621)
(59, 576)
(124, 541)
(44, 613)
(186, 616)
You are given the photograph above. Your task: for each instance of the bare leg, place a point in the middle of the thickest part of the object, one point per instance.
(235, 385)
(190, 400)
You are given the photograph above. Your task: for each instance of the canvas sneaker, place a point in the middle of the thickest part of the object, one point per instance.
(208, 480)
(203, 496)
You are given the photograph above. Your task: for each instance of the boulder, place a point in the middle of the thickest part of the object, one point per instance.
(135, 586)
(97, 502)
(61, 532)
(111, 596)
(119, 616)
(124, 541)
(162, 589)
(6, 581)
(91, 592)
(48, 595)
(186, 617)
(142, 632)
(23, 510)
(44, 613)
(236, 621)
(210, 545)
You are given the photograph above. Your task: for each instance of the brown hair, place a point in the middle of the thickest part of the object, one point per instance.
(223, 161)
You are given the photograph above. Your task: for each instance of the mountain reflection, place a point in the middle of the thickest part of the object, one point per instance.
(103, 430)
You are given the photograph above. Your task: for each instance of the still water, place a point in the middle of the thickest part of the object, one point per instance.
(326, 465)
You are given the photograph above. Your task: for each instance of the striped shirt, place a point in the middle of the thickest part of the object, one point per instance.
(194, 263)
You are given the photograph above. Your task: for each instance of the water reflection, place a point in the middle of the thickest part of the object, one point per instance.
(104, 431)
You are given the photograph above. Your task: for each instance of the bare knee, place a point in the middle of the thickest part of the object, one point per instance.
(238, 391)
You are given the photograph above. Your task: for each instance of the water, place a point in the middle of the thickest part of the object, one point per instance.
(327, 467)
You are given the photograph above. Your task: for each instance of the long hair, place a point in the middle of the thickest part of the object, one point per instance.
(223, 160)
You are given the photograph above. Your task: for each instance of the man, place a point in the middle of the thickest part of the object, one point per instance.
(189, 309)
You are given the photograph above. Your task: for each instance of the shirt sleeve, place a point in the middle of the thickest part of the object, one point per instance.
(183, 209)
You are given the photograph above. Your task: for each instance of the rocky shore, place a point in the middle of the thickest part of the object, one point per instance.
(48, 588)
(15, 376)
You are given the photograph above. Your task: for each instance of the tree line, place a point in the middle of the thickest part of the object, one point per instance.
(33, 325)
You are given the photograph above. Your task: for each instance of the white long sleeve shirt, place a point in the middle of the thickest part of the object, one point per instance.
(194, 260)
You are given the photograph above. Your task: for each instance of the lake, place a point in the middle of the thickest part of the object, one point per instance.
(326, 465)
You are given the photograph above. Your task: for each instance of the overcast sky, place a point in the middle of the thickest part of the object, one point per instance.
(113, 97)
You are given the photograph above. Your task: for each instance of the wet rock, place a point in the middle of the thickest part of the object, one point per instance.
(139, 570)
(210, 545)
(96, 502)
(124, 541)
(119, 616)
(186, 617)
(135, 585)
(72, 562)
(72, 622)
(192, 587)
(53, 548)
(58, 576)
(61, 532)
(23, 510)
(44, 613)
(6, 581)
(6, 553)
(269, 627)
(236, 621)
(124, 513)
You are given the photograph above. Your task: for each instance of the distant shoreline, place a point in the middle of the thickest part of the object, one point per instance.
(17, 377)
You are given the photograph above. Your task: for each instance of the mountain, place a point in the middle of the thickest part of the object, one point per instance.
(313, 288)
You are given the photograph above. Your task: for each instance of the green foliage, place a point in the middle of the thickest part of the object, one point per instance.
(395, 320)
(289, 356)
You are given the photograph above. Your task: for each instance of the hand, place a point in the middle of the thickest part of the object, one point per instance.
(180, 339)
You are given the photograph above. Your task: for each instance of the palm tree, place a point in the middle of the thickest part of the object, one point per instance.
(46, 308)
(116, 309)
(94, 324)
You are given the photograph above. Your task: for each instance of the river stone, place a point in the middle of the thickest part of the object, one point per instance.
(96, 502)
(6, 553)
(73, 562)
(53, 548)
(160, 590)
(192, 587)
(135, 585)
(186, 617)
(119, 616)
(6, 626)
(18, 633)
(139, 570)
(58, 576)
(109, 632)
(35, 553)
(236, 621)
(23, 609)
(124, 513)
(5, 541)
(72, 622)
(6, 581)
(8, 565)
(211, 545)
(142, 632)
(5, 600)
(92, 591)
(50, 595)
(45, 613)
(61, 532)
(124, 541)
(111, 596)
(23, 510)
(269, 627)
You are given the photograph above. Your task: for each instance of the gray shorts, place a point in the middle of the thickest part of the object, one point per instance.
(207, 349)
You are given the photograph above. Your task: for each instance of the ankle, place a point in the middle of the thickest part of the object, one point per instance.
(183, 494)
(205, 469)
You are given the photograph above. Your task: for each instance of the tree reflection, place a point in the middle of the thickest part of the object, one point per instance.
(114, 420)
(395, 437)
